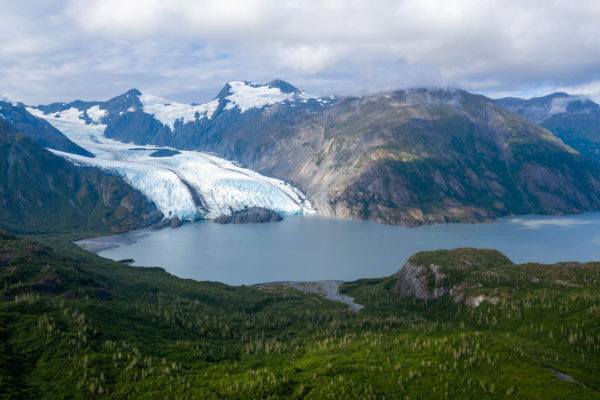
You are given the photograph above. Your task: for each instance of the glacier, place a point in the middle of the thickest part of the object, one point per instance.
(189, 185)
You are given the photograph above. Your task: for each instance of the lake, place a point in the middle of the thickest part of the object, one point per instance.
(306, 248)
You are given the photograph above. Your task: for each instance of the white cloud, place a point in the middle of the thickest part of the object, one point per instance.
(590, 89)
(97, 48)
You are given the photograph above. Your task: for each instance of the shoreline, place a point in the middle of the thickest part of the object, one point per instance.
(101, 243)
(106, 242)
(328, 288)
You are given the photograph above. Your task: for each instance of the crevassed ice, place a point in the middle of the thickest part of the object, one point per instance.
(222, 185)
(168, 112)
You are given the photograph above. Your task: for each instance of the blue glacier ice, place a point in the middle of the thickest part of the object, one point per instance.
(222, 185)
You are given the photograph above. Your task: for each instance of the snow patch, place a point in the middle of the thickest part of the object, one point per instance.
(168, 112)
(96, 114)
(71, 115)
(245, 96)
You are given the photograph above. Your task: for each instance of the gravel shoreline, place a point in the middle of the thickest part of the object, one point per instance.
(329, 289)
(101, 243)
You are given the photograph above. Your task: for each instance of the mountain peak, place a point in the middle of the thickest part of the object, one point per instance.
(132, 92)
(283, 86)
(246, 95)
(224, 92)
(124, 101)
(558, 94)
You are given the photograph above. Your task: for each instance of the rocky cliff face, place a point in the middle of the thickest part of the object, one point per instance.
(43, 193)
(421, 156)
(460, 272)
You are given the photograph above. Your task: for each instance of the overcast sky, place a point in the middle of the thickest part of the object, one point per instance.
(186, 50)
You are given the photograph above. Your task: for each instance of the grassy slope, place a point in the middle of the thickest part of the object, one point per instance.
(113, 331)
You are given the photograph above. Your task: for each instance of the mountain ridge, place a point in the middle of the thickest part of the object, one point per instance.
(407, 157)
(573, 118)
(38, 129)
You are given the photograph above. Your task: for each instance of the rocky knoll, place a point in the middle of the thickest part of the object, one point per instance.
(473, 276)
(249, 215)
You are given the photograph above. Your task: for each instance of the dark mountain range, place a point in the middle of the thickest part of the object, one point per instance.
(38, 129)
(406, 157)
(41, 193)
(574, 119)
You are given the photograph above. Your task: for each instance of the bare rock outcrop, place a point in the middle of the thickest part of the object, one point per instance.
(251, 215)
(458, 273)
(415, 280)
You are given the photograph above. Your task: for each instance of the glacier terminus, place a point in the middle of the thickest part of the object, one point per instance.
(189, 185)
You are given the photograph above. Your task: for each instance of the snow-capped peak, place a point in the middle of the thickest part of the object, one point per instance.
(168, 112)
(5, 99)
(246, 95)
(283, 86)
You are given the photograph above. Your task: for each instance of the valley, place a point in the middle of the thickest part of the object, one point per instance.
(305, 200)
(315, 306)
(188, 185)
(407, 157)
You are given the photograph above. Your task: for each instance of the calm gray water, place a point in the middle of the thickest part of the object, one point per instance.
(303, 248)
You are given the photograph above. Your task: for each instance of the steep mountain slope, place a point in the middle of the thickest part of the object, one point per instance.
(419, 156)
(574, 119)
(41, 192)
(37, 129)
(405, 157)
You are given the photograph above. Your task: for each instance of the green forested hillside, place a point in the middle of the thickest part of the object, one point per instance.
(74, 325)
(41, 192)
